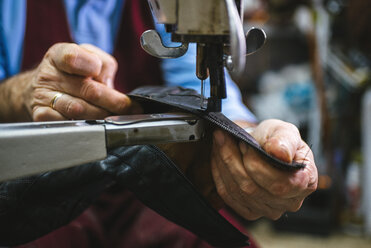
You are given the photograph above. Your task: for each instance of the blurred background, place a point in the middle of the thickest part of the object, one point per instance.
(314, 71)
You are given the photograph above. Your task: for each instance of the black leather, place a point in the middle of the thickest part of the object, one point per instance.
(188, 100)
(160, 185)
(34, 206)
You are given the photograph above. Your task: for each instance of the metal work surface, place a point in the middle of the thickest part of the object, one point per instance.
(30, 148)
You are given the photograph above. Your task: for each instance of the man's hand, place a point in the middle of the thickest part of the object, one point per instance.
(84, 74)
(251, 186)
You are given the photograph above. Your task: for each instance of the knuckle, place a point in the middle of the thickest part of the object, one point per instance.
(74, 109)
(295, 206)
(38, 94)
(113, 63)
(248, 213)
(248, 188)
(46, 76)
(90, 91)
(312, 187)
(253, 166)
(275, 215)
(294, 129)
(49, 53)
(122, 105)
(70, 55)
(40, 114)
(227, 157)
(222, 191)
(37, 98)
(279, 189)
(52, 50)
(290, 125)
(252, 216)
(233, 188)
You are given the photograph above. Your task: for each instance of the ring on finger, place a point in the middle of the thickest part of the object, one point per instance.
(55, 99)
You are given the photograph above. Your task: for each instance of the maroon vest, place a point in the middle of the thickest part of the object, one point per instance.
(117, 219)
(46, 24)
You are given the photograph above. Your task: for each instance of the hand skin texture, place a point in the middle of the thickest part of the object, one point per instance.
(223, 170)
(229, 173)
(252, 187)
(85, 75)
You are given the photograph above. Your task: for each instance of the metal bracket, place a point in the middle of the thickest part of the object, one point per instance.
(152, 43)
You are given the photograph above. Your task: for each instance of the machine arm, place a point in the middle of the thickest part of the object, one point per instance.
(30, 148)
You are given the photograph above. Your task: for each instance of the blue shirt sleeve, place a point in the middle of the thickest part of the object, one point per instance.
(12, 25)
(94, 22)
(182, 72)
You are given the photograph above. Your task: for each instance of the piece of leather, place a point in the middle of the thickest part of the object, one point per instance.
(160, 185)
(34, 206)
(188, 100)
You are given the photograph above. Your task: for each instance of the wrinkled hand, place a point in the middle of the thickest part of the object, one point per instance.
(251, 186)
(85, 75)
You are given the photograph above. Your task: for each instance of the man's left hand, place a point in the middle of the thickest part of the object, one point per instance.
(253, 187)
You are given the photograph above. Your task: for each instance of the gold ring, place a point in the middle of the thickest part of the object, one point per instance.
(55, 99)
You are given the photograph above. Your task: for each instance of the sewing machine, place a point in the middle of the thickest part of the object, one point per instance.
(216, 27)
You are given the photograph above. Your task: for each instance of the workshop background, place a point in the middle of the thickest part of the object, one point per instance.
(314, 71)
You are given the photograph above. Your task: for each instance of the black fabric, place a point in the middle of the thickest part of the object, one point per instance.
(34, 206)
(188, 100)
(160, 185)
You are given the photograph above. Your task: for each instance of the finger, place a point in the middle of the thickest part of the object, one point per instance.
(94, 93)
(305, 156)
(251, 189)
(109, 65)
(283, 184)
(248, 207)
(77, 109)
(224, 194)
(243, 183)
(44, 113)
(278, 138)
(230, 156)
(242, 191)
(228, 160)
(73, 59)
(231, 187)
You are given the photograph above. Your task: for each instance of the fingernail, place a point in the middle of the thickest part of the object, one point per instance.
(286, 153)
(219, 137)
(243, 148)
(278, 149)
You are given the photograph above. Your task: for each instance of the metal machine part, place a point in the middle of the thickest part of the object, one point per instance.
(237, 37)
(216, 27)
(255, 39)
(198, 17)
(30, 148)
(151, 42)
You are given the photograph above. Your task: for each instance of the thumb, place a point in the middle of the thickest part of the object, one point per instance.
(280, 148)
(279, 139)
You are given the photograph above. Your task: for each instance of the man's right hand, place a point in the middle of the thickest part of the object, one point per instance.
(85, 75)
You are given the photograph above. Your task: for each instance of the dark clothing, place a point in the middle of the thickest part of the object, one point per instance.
(117, 219)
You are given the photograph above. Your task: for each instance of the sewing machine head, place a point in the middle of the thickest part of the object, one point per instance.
(216, 27)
